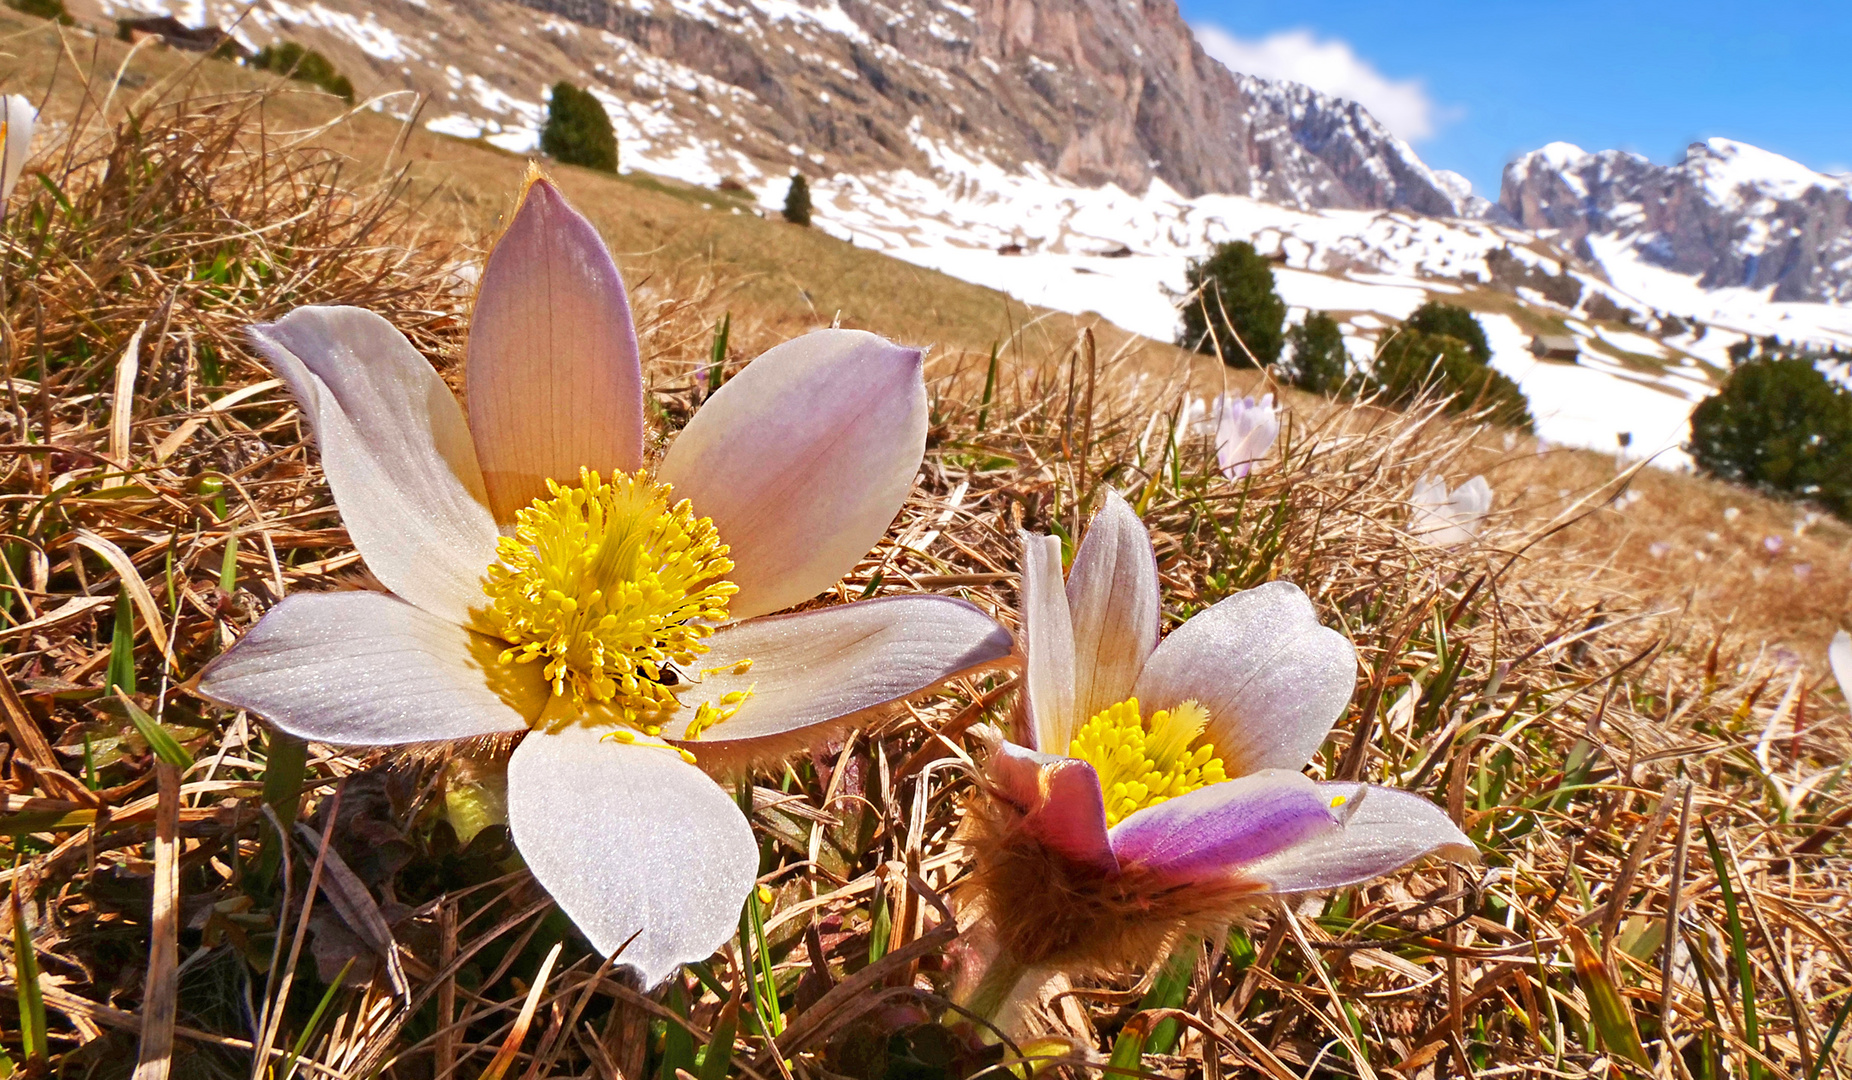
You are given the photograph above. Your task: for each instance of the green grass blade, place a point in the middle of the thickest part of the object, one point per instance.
(1826, 1043)
(1739, 951)
(159, 739)
(880, 929)
(990, 389)
(678, 1048)
(717, 353)
(228, 567)
(720, 1050)
(121, 671)
(26, 972)
(1607, 1008)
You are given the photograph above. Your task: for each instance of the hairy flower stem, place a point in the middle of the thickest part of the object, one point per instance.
(995, 988)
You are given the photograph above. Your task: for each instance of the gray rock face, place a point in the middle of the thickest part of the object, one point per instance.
(1093, 91)
(1729, 213)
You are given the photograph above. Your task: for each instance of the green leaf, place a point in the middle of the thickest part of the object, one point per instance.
(720, 1051)
(1607, 1009)
(678, 1049)
(121, 671)
(1739, 950)
(1168, 991)
(26, 972)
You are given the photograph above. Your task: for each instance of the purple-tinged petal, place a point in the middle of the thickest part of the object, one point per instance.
(1048, 646)
(631, 840)
(1208, 834)
(396, 452)
(805, 675)
(802, 460)
(368, 669)
(1384, 830)
(1245, 431)
(1059, 798)
(1112, 595)
(1273, 679)
(554, 379)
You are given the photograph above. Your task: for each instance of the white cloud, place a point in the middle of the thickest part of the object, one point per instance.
(1332, 67)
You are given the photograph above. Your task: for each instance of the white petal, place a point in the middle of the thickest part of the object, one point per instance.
(631, 840)
(802, 460)
(1048, 645)
(811, 671)
(17, 119)
(396, 452)
(1387, 829)
(1272, 678)
(1839, 654)
(1112, 595)
(367, 669)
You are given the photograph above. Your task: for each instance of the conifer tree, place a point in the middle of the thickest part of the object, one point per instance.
(797, 201)
(1319, 362)
(1780, 425)
(578, 130)
(1232, 307)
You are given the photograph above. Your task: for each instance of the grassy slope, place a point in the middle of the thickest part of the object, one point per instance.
(690, 257)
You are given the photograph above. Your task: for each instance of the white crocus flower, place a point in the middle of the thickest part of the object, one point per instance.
(17, 121)
(1447, 519)
(545, 580)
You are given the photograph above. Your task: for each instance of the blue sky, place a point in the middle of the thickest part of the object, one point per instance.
(1474, 84)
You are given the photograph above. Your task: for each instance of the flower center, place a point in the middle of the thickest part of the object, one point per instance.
(1145, 762)
(610, 586)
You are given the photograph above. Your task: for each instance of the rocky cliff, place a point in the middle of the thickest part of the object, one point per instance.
(1729, 214)
(1088, 91)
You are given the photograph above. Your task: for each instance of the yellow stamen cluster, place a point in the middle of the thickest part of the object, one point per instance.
(608, 584)
(1145, 762)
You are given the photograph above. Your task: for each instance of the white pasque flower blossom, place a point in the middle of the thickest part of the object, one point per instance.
(1245, 429)
(546, 579)
(1447, 519)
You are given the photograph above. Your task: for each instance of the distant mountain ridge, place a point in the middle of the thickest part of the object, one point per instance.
(1730, 214)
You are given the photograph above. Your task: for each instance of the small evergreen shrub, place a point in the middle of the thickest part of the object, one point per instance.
(797, 201)
(1319, 362)
(1780, 425)
(304, 65)
(578, 130)
(43, 9)
(1435, 317)
(1232, 303)
(1411, 359)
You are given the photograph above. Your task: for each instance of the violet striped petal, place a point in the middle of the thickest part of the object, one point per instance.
(1059, 798)
(634, 843)
(1273, 679)
(802, 460)
(800, 677)
(1212, 832)
(368, 669)
(1048, 646)
(1112, 595)
(396, 452)
(1384, 830)
(554, 379)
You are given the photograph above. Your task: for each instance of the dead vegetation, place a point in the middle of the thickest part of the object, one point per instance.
(1657, 796)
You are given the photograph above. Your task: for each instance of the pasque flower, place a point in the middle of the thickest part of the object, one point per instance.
(17, 120)
(1448, 519)
(1245, 429)
(545, 579)
(1156, 790)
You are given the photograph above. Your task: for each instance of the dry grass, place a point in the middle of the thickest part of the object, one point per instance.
(1624, 770)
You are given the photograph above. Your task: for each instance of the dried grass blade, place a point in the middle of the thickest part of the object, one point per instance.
(124, 567)
(157, 1019)
(357, 908)
(512, 1044)
(122, 411)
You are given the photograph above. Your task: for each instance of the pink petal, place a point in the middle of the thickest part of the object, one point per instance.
(1385, 830)
(1273, 679)
(367, 669)
(812, 672)
(802, 460)
(1059, 798)
(635, 844)
(1112, 594)
(1048, 645)
(1213, 831)
(554, 379)
(396, 452)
